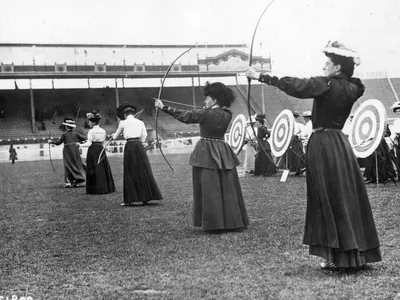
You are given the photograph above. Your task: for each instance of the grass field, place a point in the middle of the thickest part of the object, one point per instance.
(58, 243)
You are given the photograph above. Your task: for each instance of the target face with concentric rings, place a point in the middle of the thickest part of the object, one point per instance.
(367, 127)
(282, 132)
(237, 133)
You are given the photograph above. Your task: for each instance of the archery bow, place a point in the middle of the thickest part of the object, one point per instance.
(51, 125)
(157, 111)
(104, 149)
(249, 81)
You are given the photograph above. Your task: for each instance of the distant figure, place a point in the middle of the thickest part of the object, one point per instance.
(249, 148)
(42, 126)
(2, 113)
(13, 154)
(264, 164)
(74, 170)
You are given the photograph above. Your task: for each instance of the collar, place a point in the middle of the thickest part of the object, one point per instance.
(339, 76)
(215, 106)
(130, 117)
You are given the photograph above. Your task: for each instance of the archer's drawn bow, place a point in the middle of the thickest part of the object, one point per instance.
(102, 151)
(157, 111)
(249, 82)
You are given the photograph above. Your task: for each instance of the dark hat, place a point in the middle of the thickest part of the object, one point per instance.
(125, 108)
(395, 106)
(295, 114)
(93, 116)
(260, 116)
(69, 122)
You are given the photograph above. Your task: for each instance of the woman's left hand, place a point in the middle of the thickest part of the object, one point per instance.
(158, 104)
(252, 74)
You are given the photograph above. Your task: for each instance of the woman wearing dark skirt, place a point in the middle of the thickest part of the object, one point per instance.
(74, 169)
(339, 224)
(217, 195)
(264, 164)
(99, 179)
(139, 182)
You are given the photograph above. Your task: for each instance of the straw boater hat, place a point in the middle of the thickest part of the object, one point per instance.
(339, 49)
(395, 106)
(307, 113)
(69, 122)
(125, 108)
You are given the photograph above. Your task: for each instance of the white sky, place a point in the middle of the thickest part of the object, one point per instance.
(292, 31)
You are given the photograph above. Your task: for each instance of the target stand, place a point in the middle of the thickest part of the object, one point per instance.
(281, 136)
(367, 129)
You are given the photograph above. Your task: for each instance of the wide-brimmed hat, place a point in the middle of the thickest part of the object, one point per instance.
(395, 106)
(340, 49)
(307, 113)
(125, 108)
(69, 122)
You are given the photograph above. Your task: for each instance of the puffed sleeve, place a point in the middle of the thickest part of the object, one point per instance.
(303, 88)
(143, 134)
(196, 116)
(89, 140)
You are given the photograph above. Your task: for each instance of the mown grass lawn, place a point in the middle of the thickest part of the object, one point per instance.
(58, 243)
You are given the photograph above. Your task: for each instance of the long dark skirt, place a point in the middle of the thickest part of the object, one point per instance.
(139, 182)
(99, 179)
(264, 164)
(74, 169)
(218, 200)
(339, 223)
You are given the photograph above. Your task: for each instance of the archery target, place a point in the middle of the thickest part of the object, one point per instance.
(368, 126)
(282, 132)
(237, 132)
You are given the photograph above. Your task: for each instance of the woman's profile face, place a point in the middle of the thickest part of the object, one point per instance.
(209, 102)
(330, 68)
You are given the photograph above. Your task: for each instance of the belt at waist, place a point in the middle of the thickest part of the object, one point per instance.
(97, 143)
(319, 129)
(133, 139)
(213, 139)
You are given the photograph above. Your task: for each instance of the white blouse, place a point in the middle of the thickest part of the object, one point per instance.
(131, 128)
(96, 134)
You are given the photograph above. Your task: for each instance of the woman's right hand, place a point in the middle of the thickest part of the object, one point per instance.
(49, 141)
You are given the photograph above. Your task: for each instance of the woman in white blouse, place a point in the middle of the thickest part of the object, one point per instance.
(99, 179)
(139, 182)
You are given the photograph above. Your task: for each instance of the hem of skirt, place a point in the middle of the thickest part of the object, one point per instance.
(347, 258)
(222, 228)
